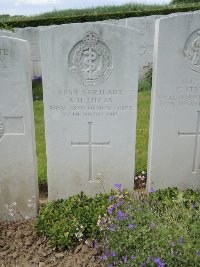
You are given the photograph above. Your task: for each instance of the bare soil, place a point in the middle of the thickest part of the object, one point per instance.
(20, 246)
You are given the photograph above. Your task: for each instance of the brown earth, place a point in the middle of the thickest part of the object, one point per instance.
(21, 247)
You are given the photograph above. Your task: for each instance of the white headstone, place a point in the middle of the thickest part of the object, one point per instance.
(18, 171)
(90, 97)
(174, 158)
(32, 35)
(7, 33)
(146, 26)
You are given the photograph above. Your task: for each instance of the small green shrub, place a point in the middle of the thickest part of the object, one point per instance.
(185, 1)
(67, 222)
(146, 83)
(37, 87)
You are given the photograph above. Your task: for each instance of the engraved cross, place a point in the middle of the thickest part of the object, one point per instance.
(11, 126)
(90, 145)
(196, 134)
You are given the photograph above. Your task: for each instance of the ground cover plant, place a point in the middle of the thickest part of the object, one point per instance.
(159, 229)
(67, 222)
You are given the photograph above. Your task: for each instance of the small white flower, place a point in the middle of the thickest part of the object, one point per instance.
(14, 204)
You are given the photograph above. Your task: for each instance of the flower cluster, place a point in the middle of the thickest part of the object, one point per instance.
(37, 79)
(79, 233)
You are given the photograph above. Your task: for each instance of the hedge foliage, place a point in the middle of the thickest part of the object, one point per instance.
(98, 17)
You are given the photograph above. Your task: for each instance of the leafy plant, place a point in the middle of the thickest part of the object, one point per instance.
(37, 87)
(67, 222)
(162, 229)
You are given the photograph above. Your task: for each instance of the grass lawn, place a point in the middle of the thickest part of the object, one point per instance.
(141, 144)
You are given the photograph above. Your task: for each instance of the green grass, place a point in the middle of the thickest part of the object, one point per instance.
(40, 141)
(142, 133)
(141, 142)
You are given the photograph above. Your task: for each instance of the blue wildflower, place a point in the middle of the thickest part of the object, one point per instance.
(133, 257)
(111, 198)
(124, 259)
(112, 254)
(130, 226)
(121, 215)
(152, 190)
(103, 258)
(180, 240)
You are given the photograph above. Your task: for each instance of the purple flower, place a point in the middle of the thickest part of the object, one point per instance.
(121, 202)
(152, 190)
(152, 225)
(111, 198)
(180, 240)
(130, 226)
(198, 253)
(110, 265)
(138, 208)
(142, 264)
(121, 215)
(157, 261)
(133, 257)
(195, 205)
(112, 254)
(110, 209)
(37, 78)
(112, 227)
(171, 244)
(95, 245)
(119, 187)
(103, 258)
(124, 259)
(175, 253)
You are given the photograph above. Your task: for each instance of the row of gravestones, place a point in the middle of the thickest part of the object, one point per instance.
(90, 74)
(144, 24)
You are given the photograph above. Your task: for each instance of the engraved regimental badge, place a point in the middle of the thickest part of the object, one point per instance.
(90, 60)
(192, 51)
(1, 127)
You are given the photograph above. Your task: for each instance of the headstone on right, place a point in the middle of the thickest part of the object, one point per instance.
(174, 146)
(18, 169)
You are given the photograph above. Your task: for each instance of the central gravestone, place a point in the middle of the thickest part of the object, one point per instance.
(90, 98)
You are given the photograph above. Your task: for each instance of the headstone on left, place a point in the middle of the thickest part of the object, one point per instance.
(18, 169)
(90, 74)
(174, 157)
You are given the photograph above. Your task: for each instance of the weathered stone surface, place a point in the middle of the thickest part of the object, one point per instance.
(31, 34)
(90, 98)
(18, 171)
(174, 158)
(7, 33)
(146, 28)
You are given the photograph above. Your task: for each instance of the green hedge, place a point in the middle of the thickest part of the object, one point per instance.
(98, 17)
